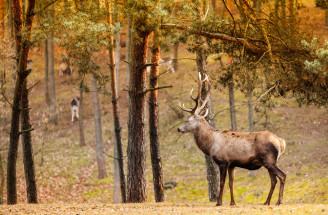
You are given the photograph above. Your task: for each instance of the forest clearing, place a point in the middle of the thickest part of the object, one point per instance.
(94, 91)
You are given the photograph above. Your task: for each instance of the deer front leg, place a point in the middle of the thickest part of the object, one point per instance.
(223, 173)
(273, 185)
(231, 171)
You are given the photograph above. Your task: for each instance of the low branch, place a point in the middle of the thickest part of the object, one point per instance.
(25, 131)
(157, 88)
(4, 96)
(218, 36)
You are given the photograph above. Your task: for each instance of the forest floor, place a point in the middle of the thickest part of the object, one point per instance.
(163, 208)
(67, 173)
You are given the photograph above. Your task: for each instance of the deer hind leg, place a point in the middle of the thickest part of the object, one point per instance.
(282, 177)
(231, 171)
(273, 185)
(223, 174)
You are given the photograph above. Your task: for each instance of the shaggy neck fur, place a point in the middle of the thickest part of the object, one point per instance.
(204, 137)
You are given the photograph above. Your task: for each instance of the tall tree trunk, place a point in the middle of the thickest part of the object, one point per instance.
(232, 105)
(214, 6)
(250, 118)
(2, 181)
(22, 50)
(326, 17)
(2, 21)
(117, 60)
(127, 54)
(156, 161)
(116, 113)
(175, 62)
(258, 8)
(212, 170)
(52, 86)
(81, 127)
(136, 180)
(99, 140)
(117, 179)
(46, 74)
(28, 159)
(10, 37)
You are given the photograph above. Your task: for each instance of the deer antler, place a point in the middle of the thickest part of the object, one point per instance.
(196, 110)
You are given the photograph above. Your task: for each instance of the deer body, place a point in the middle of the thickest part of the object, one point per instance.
(230, 149)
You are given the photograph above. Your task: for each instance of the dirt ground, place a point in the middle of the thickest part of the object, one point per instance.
(162, 208)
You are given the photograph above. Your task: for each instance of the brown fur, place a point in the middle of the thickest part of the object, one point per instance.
(230, 149)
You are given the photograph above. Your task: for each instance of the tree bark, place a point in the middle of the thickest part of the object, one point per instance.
(116, 113)
(127, 55)
(46, 74)
(212, 170)
(250, 118)
(2, 181)
(81, 127)
(156, 160)
(232, 105)
(136, 180)
(99, 140)
(22, 50)
(28, 159)
(117, 60)
(2, 15)
(175, 62)
(52, 86)
(117, 179)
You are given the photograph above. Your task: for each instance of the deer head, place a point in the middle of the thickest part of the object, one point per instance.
(197, 113)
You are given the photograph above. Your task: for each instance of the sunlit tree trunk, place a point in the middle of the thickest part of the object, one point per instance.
(155, 155)
(46, 74)
(116, 113)
(127, 54)
(98, 130)
(2, 21)
(136, 179)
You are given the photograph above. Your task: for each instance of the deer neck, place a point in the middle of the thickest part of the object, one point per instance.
(204, 137)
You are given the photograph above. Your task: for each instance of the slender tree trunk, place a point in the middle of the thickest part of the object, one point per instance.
(2, 181)
(117, 179)
(28, 159)
(99, 140)
(81, 127)
(214, 6)
(127, 54)
(116, 113)
(326, 17)
(52, 86)
(117, 60)
(258, 8)
(156, 160)
(22, 50)
(232, 105)
(46, 74)
(250, 118)
(175, 62)
(212, 170)
(10, 36)
(136, 180)
(2, 15)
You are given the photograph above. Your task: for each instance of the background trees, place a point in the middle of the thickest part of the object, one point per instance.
(269, 61)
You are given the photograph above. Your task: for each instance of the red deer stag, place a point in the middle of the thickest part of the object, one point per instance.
(230, 149)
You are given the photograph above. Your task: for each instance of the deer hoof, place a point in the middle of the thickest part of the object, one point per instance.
(218, 204)
(232, 203)
(278, 202)
(266, 203)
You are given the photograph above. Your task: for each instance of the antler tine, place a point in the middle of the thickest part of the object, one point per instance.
(204, 102)
(186, 109)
